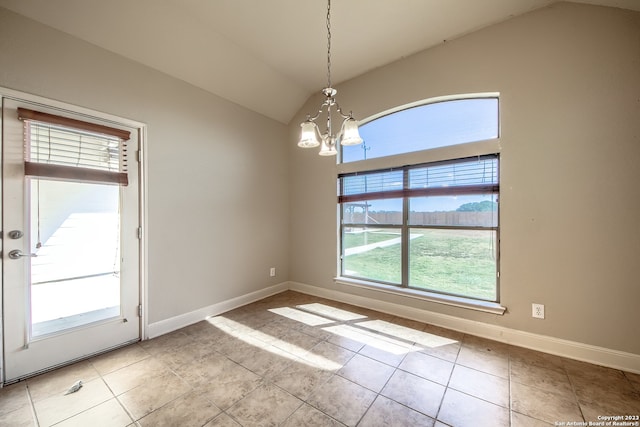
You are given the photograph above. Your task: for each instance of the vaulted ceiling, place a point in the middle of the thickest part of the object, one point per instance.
(270, 55)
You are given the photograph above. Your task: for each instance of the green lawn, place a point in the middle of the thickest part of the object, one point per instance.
(451, 261)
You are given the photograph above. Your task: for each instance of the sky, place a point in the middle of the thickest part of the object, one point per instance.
(426, 126)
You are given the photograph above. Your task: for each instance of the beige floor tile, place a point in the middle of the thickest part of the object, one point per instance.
(439, 342)
(332, 311)
(441, 332)
(346, 342)
(272, 331)
(428, 367)
(343, 400)
(279, 324)
(615, 403)
(21, 417)
(300, 379)
(296, 342)
(634, 379)
(459, 409)
(317, 332)
(485, 360)
(382, 326)
(543, 404)
(386, 412)
(238, 349)
(222, 420)
(166, 342)
(230, 327)
(134, 375)
(120, 358)
(153, 394)
(229, 386)
(267, 362)
(520, 420)
(367, 372)
(598, 385)
(14, 397)
(389, 353)
(188, 410)
(408, 323)
(58, 407)
(267, 405)
(481, 385)
(59, 380)
(536, 358)
(191, 352)
(415, 392)
(107, 414)
(547, 379)
(328, 356)
(308, 416)
(486, 345)
(204, 369)
(601, 390)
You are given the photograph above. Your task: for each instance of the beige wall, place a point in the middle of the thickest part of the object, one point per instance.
(217, 189)
(569, 79)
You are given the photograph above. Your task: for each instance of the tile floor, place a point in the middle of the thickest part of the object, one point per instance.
(296, 360)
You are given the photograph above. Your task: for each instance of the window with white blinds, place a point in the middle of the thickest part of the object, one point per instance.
(451, 177)
(58, 147)
(431, 227)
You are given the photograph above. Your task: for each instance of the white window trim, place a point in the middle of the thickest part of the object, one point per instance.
(455, 301)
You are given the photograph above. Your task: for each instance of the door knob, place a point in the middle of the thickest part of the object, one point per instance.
(15, 234)
(17, 254)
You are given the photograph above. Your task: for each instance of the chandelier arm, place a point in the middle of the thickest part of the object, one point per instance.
(314, 118)
(339, 110)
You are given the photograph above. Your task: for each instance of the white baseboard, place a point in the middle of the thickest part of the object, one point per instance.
(174, 323)
(573, 350)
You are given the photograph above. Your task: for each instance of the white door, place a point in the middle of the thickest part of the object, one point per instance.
(71, 255)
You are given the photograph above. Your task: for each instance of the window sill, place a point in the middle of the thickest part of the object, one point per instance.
(471, 304)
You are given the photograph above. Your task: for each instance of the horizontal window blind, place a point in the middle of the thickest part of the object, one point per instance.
(67, 149)
(455, 174)
(464, 176)
(373, 182)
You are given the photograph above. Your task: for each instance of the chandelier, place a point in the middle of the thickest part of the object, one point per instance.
(310, 135)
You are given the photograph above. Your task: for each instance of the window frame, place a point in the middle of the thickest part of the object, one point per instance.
(408, 161)
(406, 194)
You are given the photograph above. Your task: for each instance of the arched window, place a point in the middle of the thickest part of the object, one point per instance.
(429, 226)
(426, 126)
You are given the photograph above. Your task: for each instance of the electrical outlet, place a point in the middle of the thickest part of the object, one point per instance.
(272, 272)
(537, 311)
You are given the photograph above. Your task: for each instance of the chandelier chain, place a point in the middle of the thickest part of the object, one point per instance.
(329, 43)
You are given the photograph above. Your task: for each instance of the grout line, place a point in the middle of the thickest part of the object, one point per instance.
(32, 405)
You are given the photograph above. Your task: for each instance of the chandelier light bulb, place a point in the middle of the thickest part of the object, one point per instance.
(308, 135)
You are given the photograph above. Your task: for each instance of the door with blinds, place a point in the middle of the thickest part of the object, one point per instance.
(71, 249)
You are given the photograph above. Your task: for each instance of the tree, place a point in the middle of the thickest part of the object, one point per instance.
(484, 206)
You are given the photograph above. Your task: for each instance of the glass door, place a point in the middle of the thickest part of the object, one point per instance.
(71, 249)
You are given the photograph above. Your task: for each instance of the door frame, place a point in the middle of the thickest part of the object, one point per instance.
(142, 203)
